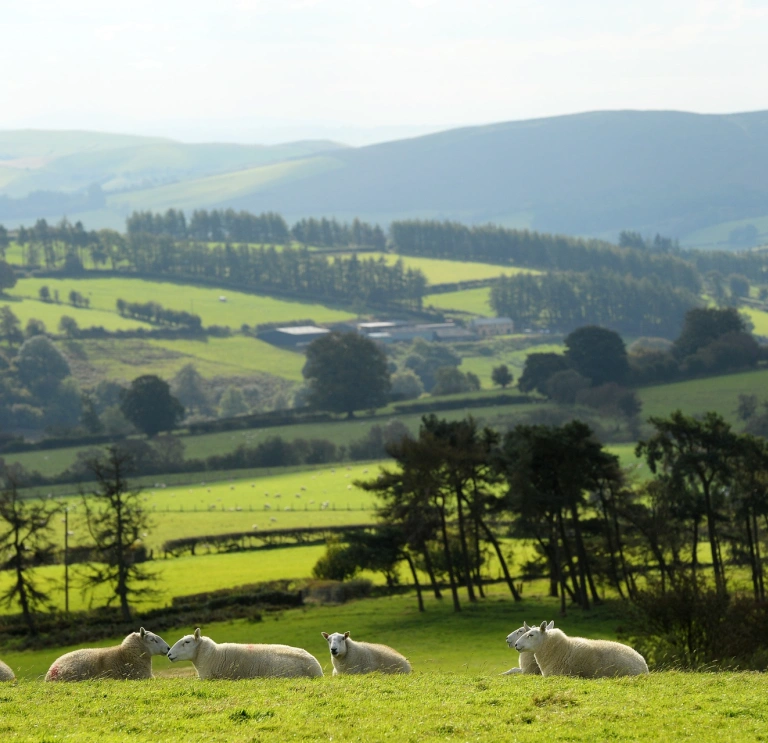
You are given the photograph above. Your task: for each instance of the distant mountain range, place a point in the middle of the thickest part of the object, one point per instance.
(700, 178)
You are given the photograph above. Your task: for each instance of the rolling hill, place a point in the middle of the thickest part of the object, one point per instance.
(696, 177)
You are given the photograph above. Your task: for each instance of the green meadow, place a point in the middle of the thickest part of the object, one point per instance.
(239, 307)
(455, 692)
(50, 313)
(759, 319)
(127, 358)
(471, 301)
(443, 271)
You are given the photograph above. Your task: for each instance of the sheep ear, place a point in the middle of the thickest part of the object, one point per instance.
(142, 631)
(346, 635)
(325, 635)
(543, 627)
(197, 633)
(551, 625)
(525, 625)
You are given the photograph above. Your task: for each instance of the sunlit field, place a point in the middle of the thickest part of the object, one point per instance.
(128, 358)
(441, 271)
(239, 308)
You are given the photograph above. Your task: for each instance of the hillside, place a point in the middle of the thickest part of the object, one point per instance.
(695, 177)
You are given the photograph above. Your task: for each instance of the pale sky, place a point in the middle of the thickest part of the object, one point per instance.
(356, 70)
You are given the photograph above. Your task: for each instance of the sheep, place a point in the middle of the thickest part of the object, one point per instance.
(349, 656)
(560, 655)
(6, 674)
(130, 660)
(528, 662)
(229, 660)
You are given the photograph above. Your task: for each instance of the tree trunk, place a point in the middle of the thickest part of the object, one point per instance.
(416, 583)
(431, 572)
(449, 567)
(507, 577)
(464, 548)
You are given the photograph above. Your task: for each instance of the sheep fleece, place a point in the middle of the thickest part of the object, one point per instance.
(6, 674)
(129, 660)
(561, 655)
(229, 660)
(365, 657)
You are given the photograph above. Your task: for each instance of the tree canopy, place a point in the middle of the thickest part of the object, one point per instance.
(150, 406)
(346, 372)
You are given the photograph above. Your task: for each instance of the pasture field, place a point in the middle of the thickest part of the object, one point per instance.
(127, 358)
(454, 693)
(709, 708)
(759, 320)
(483, 365)
(51, 313)
(471, 301)
(700, 395)
(239, 307)
(443, 271)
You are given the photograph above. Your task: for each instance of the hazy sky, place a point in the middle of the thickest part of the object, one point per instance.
(273, 70)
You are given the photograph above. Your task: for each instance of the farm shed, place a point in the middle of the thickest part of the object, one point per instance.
(488, 326)
(292, 337)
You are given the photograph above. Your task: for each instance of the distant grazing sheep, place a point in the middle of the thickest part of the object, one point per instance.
(528, 662)
(560, 655)
(6, 674)
(229, 660)
(349, 656)
(130, 660)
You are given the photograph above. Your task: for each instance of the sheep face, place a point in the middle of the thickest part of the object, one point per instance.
(154, 644)
(337, 643)
(513, 637)
(186, 648)
(532, 640)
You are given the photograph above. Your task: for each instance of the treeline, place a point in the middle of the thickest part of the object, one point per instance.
(568, 300)
(291, 271)
(456, 490)
(269, 228)
(217, 225)
(494, 244)
(155, 313)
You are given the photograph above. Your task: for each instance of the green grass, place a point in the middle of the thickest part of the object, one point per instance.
(51, 313)
(454, 693)
(442, 271)
(471, 301)
(125, 359)
(700, 395)
(759, 319)
(239, 308)
(415, 708)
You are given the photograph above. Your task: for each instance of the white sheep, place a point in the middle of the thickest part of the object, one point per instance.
(6, 674)
(527, 661)
(560, 655)
(349, 656)
(132, 659)
(229, 660)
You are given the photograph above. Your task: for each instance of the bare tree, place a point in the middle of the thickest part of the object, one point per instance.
(117, 523)
(24, 543)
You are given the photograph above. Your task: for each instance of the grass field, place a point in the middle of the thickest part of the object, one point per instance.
(471, 301)
(441, 271)
(454, 693)
(125, 359)
(700, 395)
(759, 320)
(50, 314)
(239, 308)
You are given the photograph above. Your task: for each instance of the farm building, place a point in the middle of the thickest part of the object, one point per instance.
(488, 326)
(292, 337)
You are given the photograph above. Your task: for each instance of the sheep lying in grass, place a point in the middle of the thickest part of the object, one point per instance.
(349, 656)
(132, 659)
(229, 660)
(6, 674)
(560, 655)
(528, 662)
